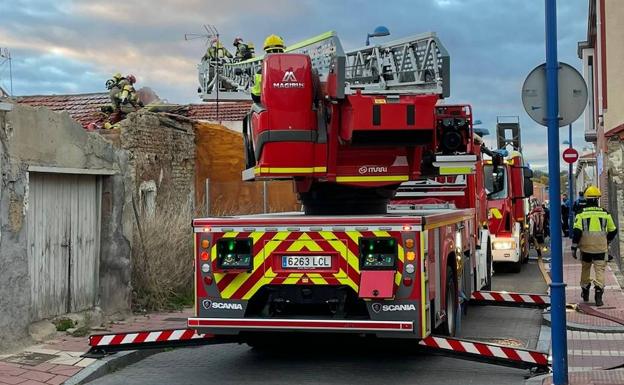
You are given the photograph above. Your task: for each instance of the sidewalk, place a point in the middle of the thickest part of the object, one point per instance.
(592, 350)
(54, 361)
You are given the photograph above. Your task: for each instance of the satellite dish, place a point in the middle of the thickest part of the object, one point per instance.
(572, 94)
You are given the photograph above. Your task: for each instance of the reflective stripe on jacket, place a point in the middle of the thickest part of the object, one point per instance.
(594, 223)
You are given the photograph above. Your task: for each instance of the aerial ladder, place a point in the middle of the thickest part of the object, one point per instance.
(374, 119)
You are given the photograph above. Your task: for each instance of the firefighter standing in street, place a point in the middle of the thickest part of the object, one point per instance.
(593, 230)
(272, 44)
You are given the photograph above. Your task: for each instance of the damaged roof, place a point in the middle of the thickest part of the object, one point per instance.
(84, 108)
(228, 111)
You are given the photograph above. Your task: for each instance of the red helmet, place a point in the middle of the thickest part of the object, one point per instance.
(238, 40)
(131, 79)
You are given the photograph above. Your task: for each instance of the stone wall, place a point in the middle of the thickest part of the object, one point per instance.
(37, 137)
(614, 165)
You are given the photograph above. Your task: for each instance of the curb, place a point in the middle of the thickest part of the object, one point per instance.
(586, 328)
(537, 380)
(109, 364)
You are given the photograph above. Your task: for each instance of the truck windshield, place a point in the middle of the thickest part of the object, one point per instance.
(495, 182)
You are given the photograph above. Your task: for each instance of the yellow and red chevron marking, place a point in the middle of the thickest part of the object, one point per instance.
(267, 244)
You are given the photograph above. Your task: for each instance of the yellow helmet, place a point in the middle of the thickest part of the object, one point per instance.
(274, 42)
(592, 192)
(117, 76)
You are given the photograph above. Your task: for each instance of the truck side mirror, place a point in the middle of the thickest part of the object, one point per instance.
(528, 182)
(528, 187)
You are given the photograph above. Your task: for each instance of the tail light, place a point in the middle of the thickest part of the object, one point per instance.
(234, 254)
(378, 253)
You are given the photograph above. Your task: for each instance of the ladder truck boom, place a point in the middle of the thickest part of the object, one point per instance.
(415, 64)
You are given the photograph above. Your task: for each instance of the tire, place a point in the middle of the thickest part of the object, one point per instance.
(449, 326)
(488, 261)
(516, 267)
(525, 251)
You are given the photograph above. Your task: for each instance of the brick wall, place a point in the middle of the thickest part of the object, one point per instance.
(161, 157)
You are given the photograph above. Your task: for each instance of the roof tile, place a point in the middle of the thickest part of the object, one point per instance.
(228, 111)
(84, 108)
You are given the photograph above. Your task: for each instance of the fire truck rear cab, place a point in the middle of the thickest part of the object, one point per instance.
(393, 275)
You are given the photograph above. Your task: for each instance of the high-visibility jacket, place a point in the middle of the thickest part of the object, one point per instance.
(593, 229)
(256, 89)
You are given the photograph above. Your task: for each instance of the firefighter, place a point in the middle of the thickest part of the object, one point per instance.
(272, 44)
(128, 94)
(217, 52)
(114, 86)
(579, 204)
(593, 230)
(242, 50)
(537, 219)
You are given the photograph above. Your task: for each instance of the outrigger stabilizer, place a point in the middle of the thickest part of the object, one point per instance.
(104, 344)
(490, 353)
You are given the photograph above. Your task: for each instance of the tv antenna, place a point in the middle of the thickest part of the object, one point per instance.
(212, 34)
(5, 57)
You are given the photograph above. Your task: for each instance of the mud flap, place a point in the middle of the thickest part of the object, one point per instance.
(376, 284)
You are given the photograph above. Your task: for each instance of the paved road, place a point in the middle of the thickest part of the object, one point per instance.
(347, 361)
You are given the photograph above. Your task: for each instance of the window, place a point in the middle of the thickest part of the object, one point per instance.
(495, 182)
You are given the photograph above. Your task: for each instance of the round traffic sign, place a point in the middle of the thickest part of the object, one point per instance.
(572, 94)
(570, 155)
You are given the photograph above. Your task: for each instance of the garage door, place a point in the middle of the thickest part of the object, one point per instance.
(63, 240)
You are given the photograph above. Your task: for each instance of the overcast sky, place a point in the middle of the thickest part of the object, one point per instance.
(65, 46)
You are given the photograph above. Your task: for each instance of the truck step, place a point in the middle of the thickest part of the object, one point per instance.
(505, 298)
(488, 353)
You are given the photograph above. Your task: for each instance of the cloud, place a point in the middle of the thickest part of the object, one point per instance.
(73, 46)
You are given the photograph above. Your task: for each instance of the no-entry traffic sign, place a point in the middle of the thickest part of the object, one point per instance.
(570, 155)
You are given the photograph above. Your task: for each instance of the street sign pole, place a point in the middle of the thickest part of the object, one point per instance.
(570, 186)
(557, 287)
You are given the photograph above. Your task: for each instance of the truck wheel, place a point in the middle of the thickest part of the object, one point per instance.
(449, 326)
(488, 261)
(525, 251)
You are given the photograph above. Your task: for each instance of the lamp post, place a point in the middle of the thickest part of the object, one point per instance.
(378, 32)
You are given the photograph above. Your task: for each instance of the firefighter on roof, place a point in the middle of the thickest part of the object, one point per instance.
(593, 230)
(272, 44)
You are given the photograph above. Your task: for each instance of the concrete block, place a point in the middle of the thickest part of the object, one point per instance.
(42, 330)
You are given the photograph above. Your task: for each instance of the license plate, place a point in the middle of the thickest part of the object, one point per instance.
(306, 262)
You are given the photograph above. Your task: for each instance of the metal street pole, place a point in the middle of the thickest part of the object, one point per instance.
(570, 187)
(557, 287)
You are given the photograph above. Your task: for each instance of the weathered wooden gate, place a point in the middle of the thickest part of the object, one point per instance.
(63, 239)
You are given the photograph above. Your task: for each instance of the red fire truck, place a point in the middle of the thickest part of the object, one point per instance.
(509, 185)
(348, 129)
